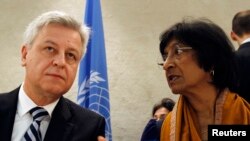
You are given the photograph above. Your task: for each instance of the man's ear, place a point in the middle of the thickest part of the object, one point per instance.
(24, 52)
(233, 36)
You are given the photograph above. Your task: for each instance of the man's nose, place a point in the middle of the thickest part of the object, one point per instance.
(59, 60)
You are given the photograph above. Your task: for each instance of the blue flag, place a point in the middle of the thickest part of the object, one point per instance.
(93, 90)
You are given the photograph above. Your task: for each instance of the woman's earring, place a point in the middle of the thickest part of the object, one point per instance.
(212, 73)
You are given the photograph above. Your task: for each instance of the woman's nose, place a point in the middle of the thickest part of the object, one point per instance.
(168, 63)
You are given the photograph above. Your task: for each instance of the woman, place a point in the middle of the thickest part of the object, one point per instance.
(199, 65)
(160, 110)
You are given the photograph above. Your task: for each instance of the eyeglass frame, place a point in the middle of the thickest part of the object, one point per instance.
(177, 51)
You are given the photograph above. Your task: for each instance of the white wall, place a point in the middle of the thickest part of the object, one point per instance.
(132, 29)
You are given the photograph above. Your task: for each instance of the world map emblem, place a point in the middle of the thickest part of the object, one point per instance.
(94, 95)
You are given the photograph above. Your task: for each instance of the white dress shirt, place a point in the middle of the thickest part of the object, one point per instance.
(23, 118)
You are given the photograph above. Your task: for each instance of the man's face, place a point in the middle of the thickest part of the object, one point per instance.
(51, 61)
(160, 113)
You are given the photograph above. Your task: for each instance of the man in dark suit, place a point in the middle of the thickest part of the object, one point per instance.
(241, 34)
(54, 44)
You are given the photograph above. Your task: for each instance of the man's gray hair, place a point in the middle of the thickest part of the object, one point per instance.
(56, 17)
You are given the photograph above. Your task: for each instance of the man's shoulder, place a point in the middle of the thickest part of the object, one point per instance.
(8, 95)
(80, 111)
(8, 100)
(87, 124)
(243, 50)
(244, 46)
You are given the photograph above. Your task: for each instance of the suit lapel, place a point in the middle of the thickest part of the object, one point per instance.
(60, 126)
(7, 114)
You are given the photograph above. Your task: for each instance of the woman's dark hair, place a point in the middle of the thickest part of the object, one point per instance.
(213, 49)
(166, 103)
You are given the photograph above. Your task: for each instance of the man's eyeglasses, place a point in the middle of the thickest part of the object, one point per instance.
(178, 50)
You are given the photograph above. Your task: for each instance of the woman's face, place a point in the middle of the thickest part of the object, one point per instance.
(182, 70)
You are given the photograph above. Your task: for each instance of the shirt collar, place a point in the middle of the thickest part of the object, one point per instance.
(25, 104)
(247, 40)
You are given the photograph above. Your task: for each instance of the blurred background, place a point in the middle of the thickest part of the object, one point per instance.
(132, 29)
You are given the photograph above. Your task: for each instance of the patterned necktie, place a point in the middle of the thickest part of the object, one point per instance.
(33, 133)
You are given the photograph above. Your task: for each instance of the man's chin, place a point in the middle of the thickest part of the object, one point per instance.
(56, 92)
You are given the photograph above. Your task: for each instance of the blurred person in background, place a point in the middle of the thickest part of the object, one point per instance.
(241, 34)
(153, 128)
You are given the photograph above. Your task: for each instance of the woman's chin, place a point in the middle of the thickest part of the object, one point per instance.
(175, 91)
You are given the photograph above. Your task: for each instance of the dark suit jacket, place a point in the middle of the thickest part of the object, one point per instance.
(69, 121)
(243, 61)
(152, 131)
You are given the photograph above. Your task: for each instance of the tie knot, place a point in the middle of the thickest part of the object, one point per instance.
(38, 113)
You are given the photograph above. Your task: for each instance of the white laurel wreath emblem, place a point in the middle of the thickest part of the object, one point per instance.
(84, 88)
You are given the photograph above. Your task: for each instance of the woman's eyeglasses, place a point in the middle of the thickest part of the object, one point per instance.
(177, 51)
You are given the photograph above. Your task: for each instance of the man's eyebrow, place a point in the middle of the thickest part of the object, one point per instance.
(50, 42)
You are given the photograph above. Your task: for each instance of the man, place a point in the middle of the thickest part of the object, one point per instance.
(241, 34)
(54, 44)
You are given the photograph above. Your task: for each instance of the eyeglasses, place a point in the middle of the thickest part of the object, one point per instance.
(178, 50)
